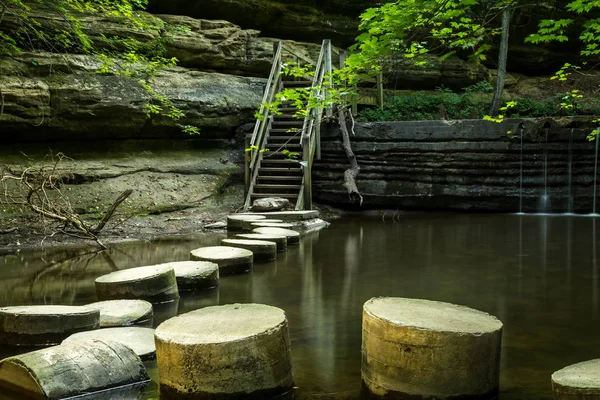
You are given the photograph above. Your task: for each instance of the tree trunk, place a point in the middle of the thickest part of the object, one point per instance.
(502, 58)
(351, 173)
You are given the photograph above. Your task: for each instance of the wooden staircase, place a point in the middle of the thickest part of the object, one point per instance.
(283, 146)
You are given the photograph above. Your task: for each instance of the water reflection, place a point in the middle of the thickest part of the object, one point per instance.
(538, 274)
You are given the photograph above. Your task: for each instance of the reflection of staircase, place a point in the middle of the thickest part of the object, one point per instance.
(284, 168)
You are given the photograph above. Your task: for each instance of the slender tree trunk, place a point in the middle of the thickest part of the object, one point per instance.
(351, 173)
(502, 58)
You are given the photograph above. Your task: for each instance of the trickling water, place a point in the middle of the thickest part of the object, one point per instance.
(595, 176)
(544, 204)
(570, 173)
(522, 128)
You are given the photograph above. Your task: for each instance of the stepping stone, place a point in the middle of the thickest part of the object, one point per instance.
(234, 222)
(140, 340)
(231, 260)
(154, 283)
(279, 240)
(71, 370)
(578, 381)
(44, 325)
(123, 312)
(415, 348)
(260, 224)
(291, 216)
(230, 351)
(293, 237)
(247, 225)
(262, 250)
(195, 275)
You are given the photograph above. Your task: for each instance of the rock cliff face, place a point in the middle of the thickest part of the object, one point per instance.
(465, 165)
(78, 104)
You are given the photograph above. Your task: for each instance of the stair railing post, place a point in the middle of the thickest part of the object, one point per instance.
(328, 71)
(307, 170)
(247, 158)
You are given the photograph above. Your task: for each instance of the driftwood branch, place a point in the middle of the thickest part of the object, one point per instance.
(111, 210)
(351, 173)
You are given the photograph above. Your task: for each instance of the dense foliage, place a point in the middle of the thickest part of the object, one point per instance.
(473, 104)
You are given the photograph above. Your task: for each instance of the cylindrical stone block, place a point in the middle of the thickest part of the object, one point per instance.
(262, 249)
(293, 237)
(279, 240)
(140, 340)
(71, 370)
(154, 283)
(415, 349)
(247, 225)
(261, 224)
(44, 325)
(225, 352)
(234, 222)
(577, 382)
(195, 275)
(231, 260)
(115, 313)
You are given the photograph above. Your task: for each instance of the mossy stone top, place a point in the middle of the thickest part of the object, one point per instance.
(123, 312)
(140, 340)
(221, 253)
(34, 320)
(221, 324)
(583, 375)
(134, 274)
(432, 315)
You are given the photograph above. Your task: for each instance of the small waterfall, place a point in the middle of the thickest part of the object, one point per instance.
(595, 175)
(522, 129)
(570, 172)
(544, 204)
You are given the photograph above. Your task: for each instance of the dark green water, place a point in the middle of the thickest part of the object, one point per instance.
(538, 274)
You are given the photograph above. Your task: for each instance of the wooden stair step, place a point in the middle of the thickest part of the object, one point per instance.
(291, 132)
(288, 110)
(279, 178)
(280, 171)
(291, 124)
(286, 116)
(278, 138)
(274, 186)
(284, 162)
(284, 195)
(297, 84)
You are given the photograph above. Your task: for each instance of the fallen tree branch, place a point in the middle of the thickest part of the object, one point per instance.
(111, 210)
(351, 173)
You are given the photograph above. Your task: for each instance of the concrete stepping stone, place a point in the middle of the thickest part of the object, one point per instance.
(44, 325)
(578, 381)
(154, 283)
(247, 225)
(262, 250)
(234, 222)
(293, 237)
(428, 349)
(115, 313)
(260, 224)
(291, 216)
(72, 370)
(231, 260)
(230, 351)
(279, 240)
(195, 275)
(140, 340)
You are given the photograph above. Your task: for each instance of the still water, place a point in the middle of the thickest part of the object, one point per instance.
(538, 274)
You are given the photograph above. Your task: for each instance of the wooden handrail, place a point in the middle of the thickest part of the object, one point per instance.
(262, 125)
(311, 140)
